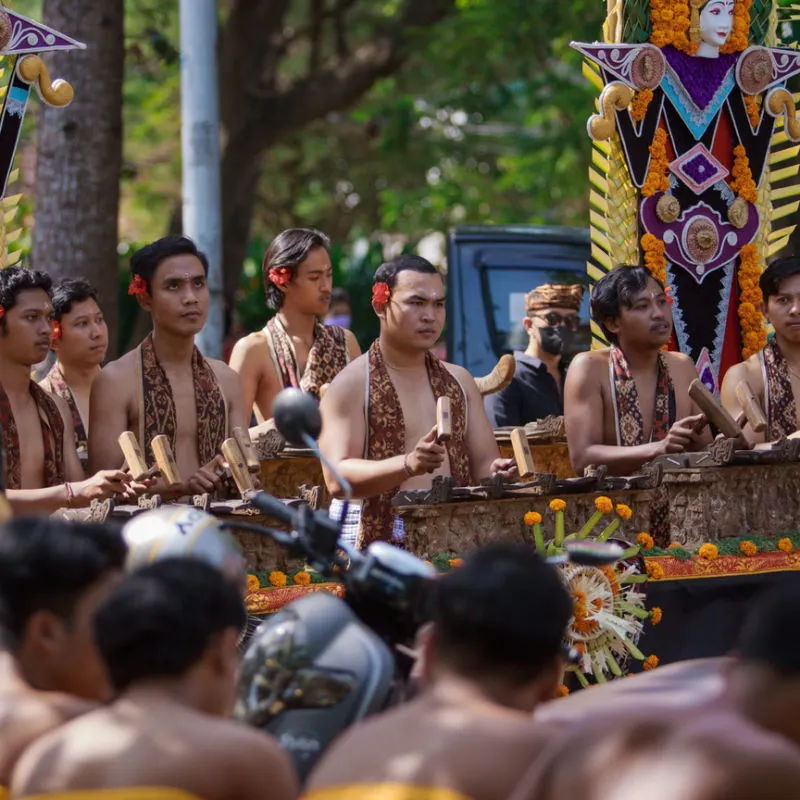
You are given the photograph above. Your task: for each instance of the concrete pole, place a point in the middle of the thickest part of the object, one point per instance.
(202, 214)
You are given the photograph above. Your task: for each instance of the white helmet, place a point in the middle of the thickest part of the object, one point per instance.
(176, 531)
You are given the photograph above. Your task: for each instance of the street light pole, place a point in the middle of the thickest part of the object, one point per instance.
(202, 217)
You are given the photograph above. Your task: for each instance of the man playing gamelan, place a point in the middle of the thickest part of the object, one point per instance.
(294, 348)
(773, 374)
(165, 386)
(379, 415)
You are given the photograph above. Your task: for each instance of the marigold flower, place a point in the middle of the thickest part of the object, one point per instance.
(557, 505)
(137, 286)
(561, 690)
(651, 662)
(640, 104)
(380, 294)
(302, 578)
(603, 504)
(785, 544)
(624, 511)
(748, 548)
(277, 578)
(533, 518)
(674, 545)
(654, 571)
(455, 563)
(655, 615)
(253, 584)
(280, 276)
(709, 552)
(645, 541)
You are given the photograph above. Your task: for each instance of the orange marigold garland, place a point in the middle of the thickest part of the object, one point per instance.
(640, 104)
(737, 41)
(645, 541)
(753, 110)
(708, 552)
(651, 662)
(748, 548)
(277, 578)
(655, 259)
(657, 178)
(785, 544)
(743, 183)
(751, 321)
(302, 578)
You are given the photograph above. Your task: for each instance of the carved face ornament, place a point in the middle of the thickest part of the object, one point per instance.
(716, 22)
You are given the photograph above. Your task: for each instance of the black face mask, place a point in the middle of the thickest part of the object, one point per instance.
(555, 340)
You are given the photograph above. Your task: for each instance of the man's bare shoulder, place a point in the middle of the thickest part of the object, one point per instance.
(227, 377)
(251, 344)
(591, 362)
(462, 375)
(351, 379)
(122, 369)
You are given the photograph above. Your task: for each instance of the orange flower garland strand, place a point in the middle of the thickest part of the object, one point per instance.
(753, 110)
(657, 179)
(655, 258)
(640, 104)
(743, 183)
(751, 321)
(670, 20)
(737, 41)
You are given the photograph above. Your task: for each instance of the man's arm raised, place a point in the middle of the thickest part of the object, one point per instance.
(583, 418)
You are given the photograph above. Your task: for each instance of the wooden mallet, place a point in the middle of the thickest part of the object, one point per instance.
(714, 412)
(162, 451)
(522, 453)
(133, 456)
(444, 423)
(237, 463)
(248, 451)
(751, 407)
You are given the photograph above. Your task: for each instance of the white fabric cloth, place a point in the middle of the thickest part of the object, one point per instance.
(352, 522)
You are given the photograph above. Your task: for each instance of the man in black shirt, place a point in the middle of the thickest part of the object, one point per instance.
(536, 390)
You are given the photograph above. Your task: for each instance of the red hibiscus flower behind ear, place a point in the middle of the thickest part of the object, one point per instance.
(56, 332)
(380, 295)
(137, 286)
(280, 276)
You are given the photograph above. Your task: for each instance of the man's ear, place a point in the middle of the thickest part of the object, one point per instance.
(611, 324)
(222, 654)
(145, 301)
(43, 631)
(527, 323)
(379, 309)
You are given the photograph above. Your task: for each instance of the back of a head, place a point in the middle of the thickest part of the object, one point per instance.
(145, 261)
(160, 620)
(387, 272)
(48, 564)
(14, 280)
(775, 273)
(70, 291)
(289, 249)
(503, 612)
(615, 291)
(770, 635)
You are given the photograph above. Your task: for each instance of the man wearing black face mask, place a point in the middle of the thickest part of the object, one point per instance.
(536, 389)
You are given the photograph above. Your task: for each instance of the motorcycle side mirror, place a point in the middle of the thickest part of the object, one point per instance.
(593, 554)
(297, 417)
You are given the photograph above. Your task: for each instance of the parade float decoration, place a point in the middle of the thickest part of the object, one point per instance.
(693, 147)
(21, 41)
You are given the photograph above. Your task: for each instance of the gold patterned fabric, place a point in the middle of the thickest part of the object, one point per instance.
(54, 382)
(386, 436)
(157, 413)
(52, 425)
(554, 295)
(327, 357)
(781, 408)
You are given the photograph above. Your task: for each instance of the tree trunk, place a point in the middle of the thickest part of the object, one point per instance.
(79, 154)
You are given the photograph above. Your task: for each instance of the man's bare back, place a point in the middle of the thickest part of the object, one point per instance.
(156, 743)
(478, 753)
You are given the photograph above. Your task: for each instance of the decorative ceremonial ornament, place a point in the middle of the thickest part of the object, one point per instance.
(20, 41)
(280, 276)
(693, 123)
(380, 295)
(138, 286)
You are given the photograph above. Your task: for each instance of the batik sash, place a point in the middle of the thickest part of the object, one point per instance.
(327, 357)
(386, 435)
(54, 382)
(627, 413)
(52, 425)
(157, 413)
(781, 408)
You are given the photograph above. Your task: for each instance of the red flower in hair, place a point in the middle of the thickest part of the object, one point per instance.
(137, 286)
(2, 312)
(280, 276)
(380, 294)
(668, 293)
(56, 332)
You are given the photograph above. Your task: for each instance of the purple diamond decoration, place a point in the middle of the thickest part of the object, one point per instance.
(705, 369)
(698, 169)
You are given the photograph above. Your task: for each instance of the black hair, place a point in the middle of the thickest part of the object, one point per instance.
(775, 273)
(503, 612)
(290, 248)
(160, 620)
(615, 291)
(340, 295)
(69, 291)
(14, 280)
(771, 630)
(145, 262)
(48, 564)
(387, 272)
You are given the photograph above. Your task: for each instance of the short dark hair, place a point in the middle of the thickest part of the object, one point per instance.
(775, 273)
(14, 280)
(290, 248)
(503, 612)
(145, 261)
(615, 291)
(159, 621)
(771, 629)
(388, 271)
(69, 291)
(48, 564)
(340, 295)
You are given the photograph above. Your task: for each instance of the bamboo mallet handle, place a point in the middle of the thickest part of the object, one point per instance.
(714, 412)
(133, 455)
(162, 451)
(751, 407)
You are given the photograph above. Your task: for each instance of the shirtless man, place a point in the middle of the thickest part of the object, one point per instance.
(492, 656)
(53, 576)
(80, 340)
(773, 373)
(391, 444)
(165, 386)
(294, 348)
(628, 403)
(45, 474)
(169, 635)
